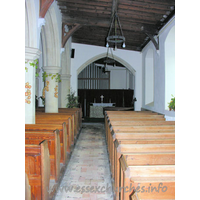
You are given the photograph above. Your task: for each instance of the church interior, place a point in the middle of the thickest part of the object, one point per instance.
(99, 99)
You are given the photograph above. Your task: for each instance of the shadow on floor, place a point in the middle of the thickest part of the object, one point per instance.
(90, 120)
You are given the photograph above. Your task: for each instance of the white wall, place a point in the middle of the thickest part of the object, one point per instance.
(149, 78)
(116, 74)
(159, 72)
(169, 66)
(86, 54)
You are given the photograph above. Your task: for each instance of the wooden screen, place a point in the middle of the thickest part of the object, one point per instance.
(121, 98)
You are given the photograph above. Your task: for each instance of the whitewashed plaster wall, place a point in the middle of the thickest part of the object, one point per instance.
(122, 74)
(86, 54)
(159, 73)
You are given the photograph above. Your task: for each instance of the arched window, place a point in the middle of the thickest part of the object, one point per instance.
(169, 67)
(149, 78)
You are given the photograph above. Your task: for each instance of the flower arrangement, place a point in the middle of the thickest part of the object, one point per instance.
(171, 105)
(72, 100)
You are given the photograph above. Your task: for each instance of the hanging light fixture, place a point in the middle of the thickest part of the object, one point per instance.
(115, 39)
(109, 60)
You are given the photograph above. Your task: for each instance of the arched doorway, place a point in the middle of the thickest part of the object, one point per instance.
(101, 84)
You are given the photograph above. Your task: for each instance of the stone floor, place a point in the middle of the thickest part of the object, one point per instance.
(88, 174)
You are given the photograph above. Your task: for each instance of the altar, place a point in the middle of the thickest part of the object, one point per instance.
(96, 109)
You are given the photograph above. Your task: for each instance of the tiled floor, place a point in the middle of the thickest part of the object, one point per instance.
(88, 173)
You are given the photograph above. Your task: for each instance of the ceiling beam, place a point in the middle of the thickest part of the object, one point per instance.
(145, 4)
(162, 2)
(66, 35)
(106, 23)
(80, 3)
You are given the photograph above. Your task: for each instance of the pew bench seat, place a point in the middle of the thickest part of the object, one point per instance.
(37, 168)
(53, 140)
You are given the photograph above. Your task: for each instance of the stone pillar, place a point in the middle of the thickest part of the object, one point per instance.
(51, 90)
(65, 89)
(31, 54)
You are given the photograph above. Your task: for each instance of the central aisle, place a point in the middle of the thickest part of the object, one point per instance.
(88, 173)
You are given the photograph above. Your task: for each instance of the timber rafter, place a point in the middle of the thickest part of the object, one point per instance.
(91, 20)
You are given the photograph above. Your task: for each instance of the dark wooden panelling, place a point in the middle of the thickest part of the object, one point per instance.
(121, 98)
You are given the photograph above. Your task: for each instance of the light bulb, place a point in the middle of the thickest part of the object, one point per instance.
(107, 45)
(123, 45)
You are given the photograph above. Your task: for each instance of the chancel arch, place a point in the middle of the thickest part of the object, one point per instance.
(96, 80)
(103, 55)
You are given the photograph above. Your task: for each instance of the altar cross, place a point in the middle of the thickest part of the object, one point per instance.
(101, 98)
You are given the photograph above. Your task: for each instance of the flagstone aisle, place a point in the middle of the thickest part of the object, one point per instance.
(88, 174)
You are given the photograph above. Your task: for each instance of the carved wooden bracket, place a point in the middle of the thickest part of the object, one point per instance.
(66, 33)
(44, 6)
(156, 43)
(148, 31)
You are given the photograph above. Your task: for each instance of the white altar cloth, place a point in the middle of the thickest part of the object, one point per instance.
(96, 111)
(103, 104)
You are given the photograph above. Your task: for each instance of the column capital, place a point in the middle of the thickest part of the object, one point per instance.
(65, 76)
(51, 69)
(32, 53)
(41, 22)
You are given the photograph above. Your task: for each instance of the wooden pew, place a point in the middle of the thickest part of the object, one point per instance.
(27, 188)
(138, 126)
(79, 110)
(140, 123)
(61, 116)
(111, 139)
(65, 125)
(146, 177)
(133, 150)
(139, 159)
(53, 139)
(51, 128)
(121, 112)
(139, 118)
(37, 168)
(144, 146)
(130, 113)
(75, 112)
(134, 119)
(136, 116)
(142, 129)
(142, 138)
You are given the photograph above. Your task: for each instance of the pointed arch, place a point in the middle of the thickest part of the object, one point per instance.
(97, 57)
(30, 24)
(51, 38)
